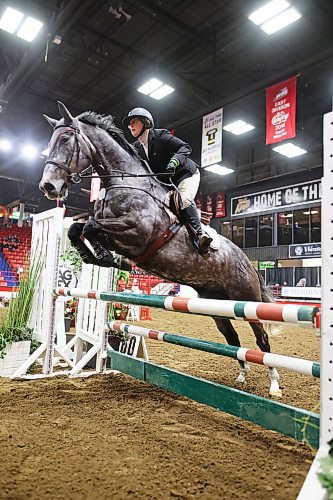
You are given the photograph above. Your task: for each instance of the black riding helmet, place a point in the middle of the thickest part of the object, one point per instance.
(142, 114)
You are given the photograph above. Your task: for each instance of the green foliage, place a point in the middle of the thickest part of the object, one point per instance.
(72, 256)
(14, 325)
(325, 473)
(125, 275)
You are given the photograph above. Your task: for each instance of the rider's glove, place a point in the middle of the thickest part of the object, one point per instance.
(172, 165)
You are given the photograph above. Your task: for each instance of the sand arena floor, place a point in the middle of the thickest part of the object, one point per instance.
(113, 437)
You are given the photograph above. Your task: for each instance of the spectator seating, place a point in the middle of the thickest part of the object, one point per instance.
(12, 258)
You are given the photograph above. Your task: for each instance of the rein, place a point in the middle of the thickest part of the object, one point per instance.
(76, 177)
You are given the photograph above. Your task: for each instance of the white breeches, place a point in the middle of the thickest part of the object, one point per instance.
(188, 189)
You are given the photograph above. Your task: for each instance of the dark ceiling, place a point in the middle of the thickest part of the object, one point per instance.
(207, 50)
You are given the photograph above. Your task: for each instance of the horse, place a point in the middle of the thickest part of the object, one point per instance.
(132, 218)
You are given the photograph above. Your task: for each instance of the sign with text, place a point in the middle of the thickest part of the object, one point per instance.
(305, 250)
(211, 146)
(275, 199)
(305, 292)
(281, 111)
(266, 264)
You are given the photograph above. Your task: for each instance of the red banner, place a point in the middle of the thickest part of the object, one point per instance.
(198, 202)
(220, 205)
(209, 205)
(281, 111)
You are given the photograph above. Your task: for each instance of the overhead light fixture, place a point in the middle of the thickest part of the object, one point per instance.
(30, 29)
(162, 92)
(25, 27)
(10, 20)
(219, 169)
(290, 150)
(238, 127)
(281, 21)
(308, 212)
(274, 16)
(29, 151)
(155, 89)
(269, 10)
(5, 145)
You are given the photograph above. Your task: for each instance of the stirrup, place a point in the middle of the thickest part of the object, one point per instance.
(204, 242)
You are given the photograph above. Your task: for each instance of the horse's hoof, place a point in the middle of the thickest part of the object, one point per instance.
(275, 393)
(241, 379)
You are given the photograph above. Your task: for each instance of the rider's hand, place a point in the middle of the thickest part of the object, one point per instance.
(171, 169)
(172, 165)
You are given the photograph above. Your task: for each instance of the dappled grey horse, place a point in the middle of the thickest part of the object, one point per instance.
(133, 220)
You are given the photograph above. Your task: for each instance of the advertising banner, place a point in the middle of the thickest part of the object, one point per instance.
(95, 187)
(281, 111)
(220, 204)
(305, 250)
(211, 145)
(286, 197)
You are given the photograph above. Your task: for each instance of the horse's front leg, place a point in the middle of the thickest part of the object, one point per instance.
(75, 237)
(104, 256)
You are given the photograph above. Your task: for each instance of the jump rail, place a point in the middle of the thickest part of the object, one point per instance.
(304, 316)
(303, 366)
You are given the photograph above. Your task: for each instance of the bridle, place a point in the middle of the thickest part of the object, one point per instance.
(74, 177)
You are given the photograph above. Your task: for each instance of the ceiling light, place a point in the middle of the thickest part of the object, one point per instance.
(10, 20)
(162, 92)
(30, 29)
(219, 169)
(281, 21)
(29, 151)
(5, 145)
(269, 10)
(238, 127)
(308, 212)
(289, 150)
(155, 89)
(150, 86)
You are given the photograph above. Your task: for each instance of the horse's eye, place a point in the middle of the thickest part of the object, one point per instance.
(64, 139)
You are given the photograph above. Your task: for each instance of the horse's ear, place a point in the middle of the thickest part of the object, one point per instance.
(50, 121)
(68, 118)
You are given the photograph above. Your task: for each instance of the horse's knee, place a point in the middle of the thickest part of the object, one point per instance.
(89, 229)
(75, 231)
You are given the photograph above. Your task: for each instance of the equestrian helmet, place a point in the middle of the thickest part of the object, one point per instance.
(141, 113)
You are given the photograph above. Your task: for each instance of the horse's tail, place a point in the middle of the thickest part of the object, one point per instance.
(267, 296)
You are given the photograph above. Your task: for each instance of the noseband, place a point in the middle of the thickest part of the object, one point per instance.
(74, 177)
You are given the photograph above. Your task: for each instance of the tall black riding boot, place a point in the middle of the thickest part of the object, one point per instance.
(190, 216)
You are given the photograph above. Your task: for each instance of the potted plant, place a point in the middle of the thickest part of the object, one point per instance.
(16, 336)
(120, 311)
(70, 313)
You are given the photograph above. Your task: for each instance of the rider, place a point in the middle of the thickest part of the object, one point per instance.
(167, 153)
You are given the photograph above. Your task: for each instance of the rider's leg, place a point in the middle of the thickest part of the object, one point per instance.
(104, 256)
(188, 189)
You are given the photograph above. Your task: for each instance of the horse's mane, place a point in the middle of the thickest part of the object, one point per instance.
(106, 122)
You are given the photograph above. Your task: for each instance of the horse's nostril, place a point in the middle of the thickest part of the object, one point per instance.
(48, 187)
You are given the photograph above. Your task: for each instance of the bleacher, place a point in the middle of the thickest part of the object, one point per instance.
(11, 259)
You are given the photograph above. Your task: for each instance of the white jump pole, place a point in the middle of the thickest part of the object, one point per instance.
(312, 488)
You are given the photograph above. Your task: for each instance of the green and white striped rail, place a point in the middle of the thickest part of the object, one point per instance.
(303, 366)
(298, 315)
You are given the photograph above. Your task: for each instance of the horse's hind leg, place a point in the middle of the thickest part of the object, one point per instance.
(231, 336)
(263, 344)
